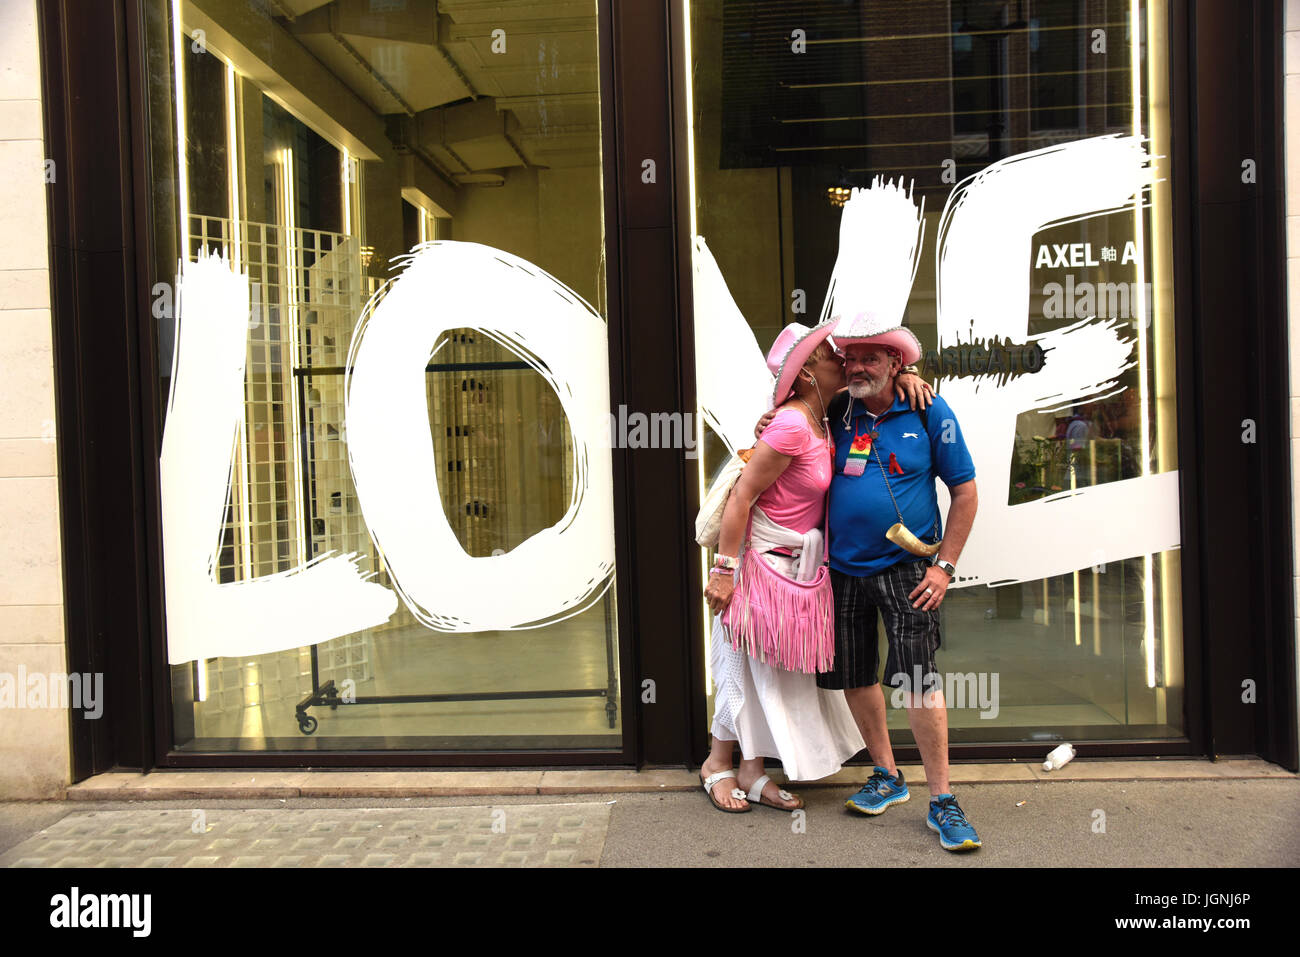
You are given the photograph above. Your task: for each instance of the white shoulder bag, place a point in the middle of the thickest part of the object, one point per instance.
(708, 524)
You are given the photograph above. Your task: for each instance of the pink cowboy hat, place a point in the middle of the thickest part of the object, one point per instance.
(793, 346)
(867, 327)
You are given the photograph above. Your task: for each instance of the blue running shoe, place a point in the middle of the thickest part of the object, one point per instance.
(879, 792)
(955, 832)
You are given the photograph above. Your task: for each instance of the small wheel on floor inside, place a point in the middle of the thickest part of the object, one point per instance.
(307, 723)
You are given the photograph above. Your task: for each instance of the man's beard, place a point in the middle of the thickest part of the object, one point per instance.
(868, 386)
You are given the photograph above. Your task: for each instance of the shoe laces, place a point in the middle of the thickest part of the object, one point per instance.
(950, 812)
(875, 781)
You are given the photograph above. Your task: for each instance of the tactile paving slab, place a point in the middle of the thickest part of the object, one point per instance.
(514, 835)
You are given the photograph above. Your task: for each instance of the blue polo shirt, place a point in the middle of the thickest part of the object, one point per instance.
(860, 508)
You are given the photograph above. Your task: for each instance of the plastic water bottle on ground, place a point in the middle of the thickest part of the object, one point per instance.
(1059, 758)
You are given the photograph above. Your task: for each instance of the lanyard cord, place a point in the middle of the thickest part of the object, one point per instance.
(884, 475)
(875, 448)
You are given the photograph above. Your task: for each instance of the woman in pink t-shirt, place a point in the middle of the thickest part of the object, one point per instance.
(769, 711)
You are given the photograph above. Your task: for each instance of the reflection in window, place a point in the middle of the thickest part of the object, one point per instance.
(1058, 33)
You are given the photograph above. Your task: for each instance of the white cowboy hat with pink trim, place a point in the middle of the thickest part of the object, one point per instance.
(868, 328)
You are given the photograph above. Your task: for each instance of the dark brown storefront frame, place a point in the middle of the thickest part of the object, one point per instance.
(1229, 258)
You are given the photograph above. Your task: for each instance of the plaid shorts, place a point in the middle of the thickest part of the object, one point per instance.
(913, 634)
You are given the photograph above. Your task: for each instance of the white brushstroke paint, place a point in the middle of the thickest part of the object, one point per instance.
(982, 276)
(983, 281)
(555, 573)
(881, 233)
(987, 229)
(323, 599)
(732, 383)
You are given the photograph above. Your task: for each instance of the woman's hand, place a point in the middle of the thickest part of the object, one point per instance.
(765, 465)
(913, 389)
(763, 423)
(718, 592)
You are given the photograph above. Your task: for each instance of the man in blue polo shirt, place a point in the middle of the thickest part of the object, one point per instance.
(887, 457)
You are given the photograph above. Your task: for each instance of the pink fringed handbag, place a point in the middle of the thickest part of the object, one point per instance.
(782, 622)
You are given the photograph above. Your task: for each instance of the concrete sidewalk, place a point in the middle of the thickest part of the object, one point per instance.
(1100, 813)
(164, 785)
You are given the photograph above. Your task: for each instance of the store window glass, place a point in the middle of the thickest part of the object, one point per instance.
(1030, 139)
(387, 521)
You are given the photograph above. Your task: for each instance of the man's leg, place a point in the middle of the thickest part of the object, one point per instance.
(868, 707)
(913, 640)
(856, 672)
(886, 785)
(857, 661)
(928, 716)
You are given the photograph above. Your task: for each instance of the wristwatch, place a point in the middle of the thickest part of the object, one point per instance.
(948, 567)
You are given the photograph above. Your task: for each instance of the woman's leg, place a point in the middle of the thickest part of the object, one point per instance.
(719, 759)
(751, 769)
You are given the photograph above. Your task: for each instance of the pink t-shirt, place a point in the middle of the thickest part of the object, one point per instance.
(797, 499)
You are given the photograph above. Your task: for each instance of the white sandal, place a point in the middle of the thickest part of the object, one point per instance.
(736, 793)
(755, 796)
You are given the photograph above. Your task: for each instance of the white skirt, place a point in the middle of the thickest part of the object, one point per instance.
(779, 714)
